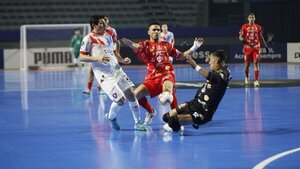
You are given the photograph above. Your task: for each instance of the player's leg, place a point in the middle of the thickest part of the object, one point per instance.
(169, 86)
(89, 80)
(256, 59)
(141, 92)
(247, 59)
(126, 86)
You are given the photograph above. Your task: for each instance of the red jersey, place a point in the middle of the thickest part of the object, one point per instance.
(252, 34)
(156, 56)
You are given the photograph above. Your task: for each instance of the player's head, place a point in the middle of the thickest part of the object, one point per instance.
(154, 31)
(251, 18)
(164, 28)
(77, 31)
(97, 22)
(217, 59)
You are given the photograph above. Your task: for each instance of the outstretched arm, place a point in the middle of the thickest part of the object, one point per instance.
(131, 44)
(198, 68)
(197, 43)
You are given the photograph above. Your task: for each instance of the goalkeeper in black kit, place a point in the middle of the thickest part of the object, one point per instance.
(202, 107)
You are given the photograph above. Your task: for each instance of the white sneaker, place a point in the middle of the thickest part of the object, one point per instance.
(167, 128)
(113, 123)
(149, 116)
(256, 83)
(140, 126)
(247, 81)
(86, 91)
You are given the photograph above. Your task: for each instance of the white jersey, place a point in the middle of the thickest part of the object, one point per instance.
(98, 45)
(168, 37)
(110, 76)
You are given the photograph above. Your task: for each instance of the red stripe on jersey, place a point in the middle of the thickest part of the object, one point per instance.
(98, 41)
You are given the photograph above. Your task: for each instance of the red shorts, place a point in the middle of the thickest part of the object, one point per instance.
(251, 54)
(155, 85)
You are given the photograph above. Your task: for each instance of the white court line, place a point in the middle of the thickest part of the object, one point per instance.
(264, 163)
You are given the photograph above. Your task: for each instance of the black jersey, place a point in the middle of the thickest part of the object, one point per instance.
(211, 93)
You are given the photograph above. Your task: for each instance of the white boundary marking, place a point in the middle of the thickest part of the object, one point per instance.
(264, 163)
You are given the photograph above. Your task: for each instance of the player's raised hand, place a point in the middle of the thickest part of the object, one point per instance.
(197, 43)
(129, 43)
(127, 60)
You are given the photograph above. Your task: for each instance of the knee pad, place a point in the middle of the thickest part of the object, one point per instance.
(166, 117)
(174, 123)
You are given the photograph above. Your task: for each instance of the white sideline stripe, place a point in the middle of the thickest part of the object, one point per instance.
(189, 84)
(42, 89)
(264, 163)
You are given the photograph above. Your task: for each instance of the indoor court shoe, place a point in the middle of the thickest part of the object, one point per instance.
(113, 123)
(140, 126)
(247, 81)
(149, 116)
(167, 128)
(86, 91)
(256, 83)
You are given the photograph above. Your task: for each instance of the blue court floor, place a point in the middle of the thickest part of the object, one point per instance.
(47, 123)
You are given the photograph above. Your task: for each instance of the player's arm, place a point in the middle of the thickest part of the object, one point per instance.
(197, 43)
(195, 66)
(86, 58)
(120, 59)
(130, 44)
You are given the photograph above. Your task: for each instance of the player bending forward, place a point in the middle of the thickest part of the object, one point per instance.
(98, 48)
(202, 107)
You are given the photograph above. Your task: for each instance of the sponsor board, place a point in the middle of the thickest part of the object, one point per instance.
(293, 52)
(42, 57)
(277, 53)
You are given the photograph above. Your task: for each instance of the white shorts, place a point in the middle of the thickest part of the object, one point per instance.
(114, 86)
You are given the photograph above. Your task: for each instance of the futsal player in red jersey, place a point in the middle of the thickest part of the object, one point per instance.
(251, 34)
(160, 78)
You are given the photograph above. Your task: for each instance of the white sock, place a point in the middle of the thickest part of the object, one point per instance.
(135, 109)
(113, 111)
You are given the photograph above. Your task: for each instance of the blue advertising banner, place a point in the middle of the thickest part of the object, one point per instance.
(277, 53)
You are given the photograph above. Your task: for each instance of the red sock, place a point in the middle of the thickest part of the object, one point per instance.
(174, 104)
(145, 104)
(90, 84)
(256, 73)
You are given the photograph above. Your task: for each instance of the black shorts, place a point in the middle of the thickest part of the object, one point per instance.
(199, 115)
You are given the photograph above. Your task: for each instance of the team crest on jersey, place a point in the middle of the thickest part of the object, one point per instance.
(159, 58)
(82, 43)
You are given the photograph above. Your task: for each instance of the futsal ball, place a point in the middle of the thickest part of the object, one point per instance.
(165, 98)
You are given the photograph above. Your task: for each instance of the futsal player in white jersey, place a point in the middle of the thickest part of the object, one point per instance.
(166, 36)
(98, 49)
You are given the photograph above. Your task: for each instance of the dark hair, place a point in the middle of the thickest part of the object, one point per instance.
(220, 54)
(153, 23)
(94, 20)
(251, 14)
(77, 29)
